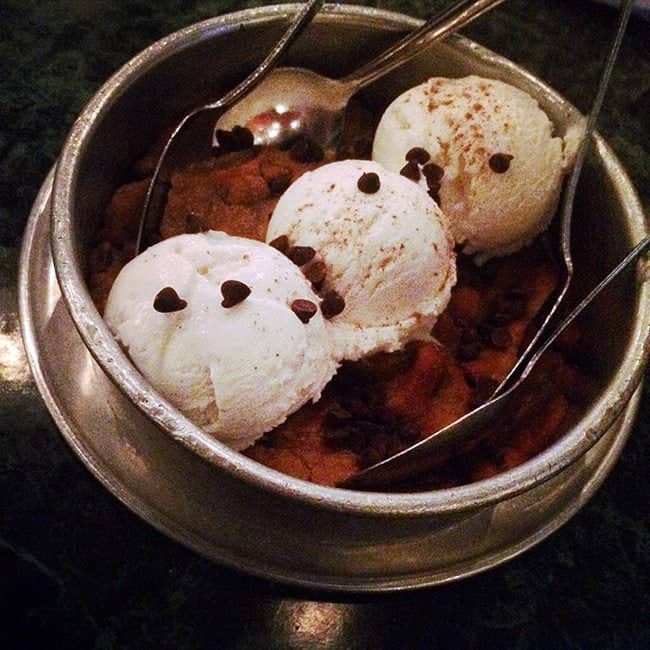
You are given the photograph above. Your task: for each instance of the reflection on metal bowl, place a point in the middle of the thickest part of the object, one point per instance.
(223, 504)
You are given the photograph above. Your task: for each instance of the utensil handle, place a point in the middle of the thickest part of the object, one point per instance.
(596, 106)
(566, 207)
(299, 22)
(639, 249)
(435, 28)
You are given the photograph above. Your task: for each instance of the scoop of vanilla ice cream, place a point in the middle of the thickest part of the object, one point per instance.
(237, 372)
(496, 205)
(388, 253)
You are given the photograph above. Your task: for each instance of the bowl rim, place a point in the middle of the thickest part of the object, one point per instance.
(114, 362)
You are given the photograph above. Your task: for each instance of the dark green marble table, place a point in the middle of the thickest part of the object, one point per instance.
(79, 570)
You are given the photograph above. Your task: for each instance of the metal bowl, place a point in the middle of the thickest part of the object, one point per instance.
(224, 504)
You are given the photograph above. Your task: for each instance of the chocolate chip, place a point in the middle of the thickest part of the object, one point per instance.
(500, 337)
(433, 173)
(485, 332)
(468, 351)
(239, 139)
(417, 155)
(434, 191)
(244, 136)
(305, 150)
(332, 305)
(316, 272)
(281, 243)
(279, 183)
(434, 186)
(227, 140)
(167, 301)
(233, 292)
(411, 171)
(300, 255)
(304, 309)
(369, 183)
(194, 222)
(469, 335)
(500, 162)
(361, 422)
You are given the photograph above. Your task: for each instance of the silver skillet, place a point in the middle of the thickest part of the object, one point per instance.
(223, 504)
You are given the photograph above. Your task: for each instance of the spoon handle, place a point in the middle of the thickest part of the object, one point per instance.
(435, 28)
(299, 22)
(639, 249)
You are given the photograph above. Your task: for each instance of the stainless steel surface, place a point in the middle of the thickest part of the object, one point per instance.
(154, 204)
(409, 462)
(226, 505)
(302, 102)
(244, 526)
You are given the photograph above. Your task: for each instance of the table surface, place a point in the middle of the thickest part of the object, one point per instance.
(79, 570)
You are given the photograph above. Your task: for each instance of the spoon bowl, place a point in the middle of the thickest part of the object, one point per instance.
(291, 102)
(154, 202)
(294, 102)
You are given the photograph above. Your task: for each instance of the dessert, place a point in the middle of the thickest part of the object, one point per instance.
(381, 245)
(487, 154)
(397, 389)
(212, 319)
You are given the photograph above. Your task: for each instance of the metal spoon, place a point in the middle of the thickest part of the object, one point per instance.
(296, 101)
(566, 206)
(154, 201)
(413, 460)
